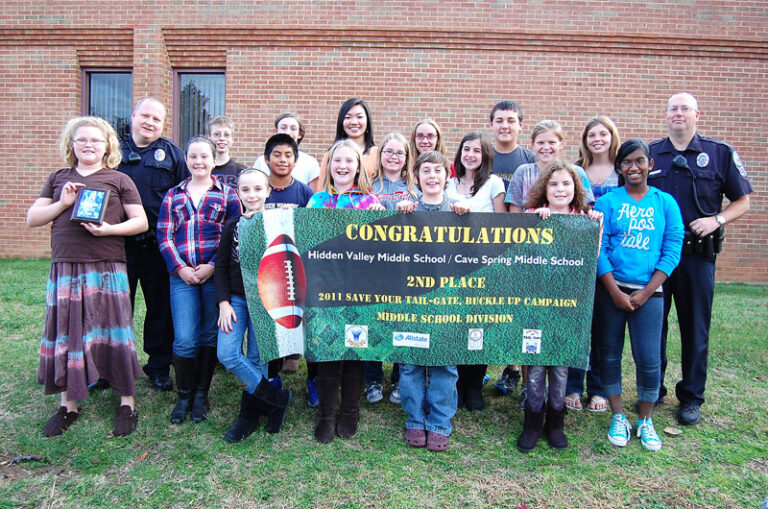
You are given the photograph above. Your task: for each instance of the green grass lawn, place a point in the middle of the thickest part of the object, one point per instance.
(722, 462)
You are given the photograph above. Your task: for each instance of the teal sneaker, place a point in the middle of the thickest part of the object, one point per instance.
(647, 434)
(620, 430)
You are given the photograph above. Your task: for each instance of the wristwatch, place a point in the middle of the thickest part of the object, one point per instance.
(720, 219)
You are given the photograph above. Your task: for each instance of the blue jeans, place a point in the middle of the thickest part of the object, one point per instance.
(246, 367)
(195, 313)
(644, 333)
(430, 406)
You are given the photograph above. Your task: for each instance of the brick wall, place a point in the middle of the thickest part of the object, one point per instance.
(447, 60)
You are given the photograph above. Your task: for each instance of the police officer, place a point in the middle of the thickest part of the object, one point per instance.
(155, 164)
(697, 171)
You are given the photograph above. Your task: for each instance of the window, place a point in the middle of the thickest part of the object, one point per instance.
(198, 97)
(108, 93)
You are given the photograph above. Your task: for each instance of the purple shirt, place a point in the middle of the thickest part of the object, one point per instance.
(188, 235)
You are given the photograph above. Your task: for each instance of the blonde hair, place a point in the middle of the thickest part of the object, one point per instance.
(547, 125)
(439, 144)
(362, 180)
(405, 173)
(112, 153)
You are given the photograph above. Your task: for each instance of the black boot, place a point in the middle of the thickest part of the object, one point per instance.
(554, 428)
(349, 416)
(185, 382)
(247, 421)
(328, 394)
(206, 364)
(532, 427)
(473, 386)
(272, 402)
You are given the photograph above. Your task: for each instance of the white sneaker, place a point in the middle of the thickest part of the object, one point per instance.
(395, 396)
(647, 435)
(373, 393)
(620, 430)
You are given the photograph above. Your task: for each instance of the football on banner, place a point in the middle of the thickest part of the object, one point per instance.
(282, 283)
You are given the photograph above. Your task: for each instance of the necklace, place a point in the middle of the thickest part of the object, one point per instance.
(279, 189)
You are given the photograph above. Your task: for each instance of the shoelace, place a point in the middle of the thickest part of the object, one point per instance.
(647, 432)
(618, 426)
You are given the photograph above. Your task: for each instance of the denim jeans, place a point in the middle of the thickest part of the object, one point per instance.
(246, 367)
(538, 376)
(195, 313)
(430, 406)
(644, 333)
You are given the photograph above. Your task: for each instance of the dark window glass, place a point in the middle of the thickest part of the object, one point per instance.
(109, 97)
(201, 97)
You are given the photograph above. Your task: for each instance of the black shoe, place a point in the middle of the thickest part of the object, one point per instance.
(473, 399)
(161, 382)
(688, 414)
(98, 385)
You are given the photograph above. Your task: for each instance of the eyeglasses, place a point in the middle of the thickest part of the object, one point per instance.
(681, 109)
(82, 142)
(430, 136)
(640, 162)
(399, 154)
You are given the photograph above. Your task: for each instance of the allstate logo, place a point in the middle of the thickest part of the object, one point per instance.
(399, 336)
(356, 336)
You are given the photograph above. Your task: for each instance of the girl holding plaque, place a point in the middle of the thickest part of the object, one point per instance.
(88, 333)
(189, 227)
(558, 190)
(346, 186)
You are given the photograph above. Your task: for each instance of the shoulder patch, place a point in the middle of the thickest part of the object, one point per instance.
(739, 164)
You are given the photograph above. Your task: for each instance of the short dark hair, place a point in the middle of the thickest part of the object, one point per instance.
(280, 139)
(508, 106)
(628, 147)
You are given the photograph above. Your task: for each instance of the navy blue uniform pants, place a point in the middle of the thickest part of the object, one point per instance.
(692, 286)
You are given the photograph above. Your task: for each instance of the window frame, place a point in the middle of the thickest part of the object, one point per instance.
(85, 86)
(177, 94)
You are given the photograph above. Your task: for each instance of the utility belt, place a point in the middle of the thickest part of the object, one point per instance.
(708, 246)
(142, 241)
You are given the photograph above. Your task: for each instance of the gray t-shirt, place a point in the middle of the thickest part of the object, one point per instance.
(444, 206)
(504, 165)
(526, 175)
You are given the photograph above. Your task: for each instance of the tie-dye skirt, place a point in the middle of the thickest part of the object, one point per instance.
(88, 331)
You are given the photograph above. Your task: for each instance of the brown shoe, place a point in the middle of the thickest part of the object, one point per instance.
(126, 421)
(60, 421)
(416, 437)
(290, 364)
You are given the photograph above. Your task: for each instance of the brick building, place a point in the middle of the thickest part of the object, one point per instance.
(447, 60)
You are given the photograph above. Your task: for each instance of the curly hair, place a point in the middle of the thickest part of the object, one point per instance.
(537, 196)
(112, 153)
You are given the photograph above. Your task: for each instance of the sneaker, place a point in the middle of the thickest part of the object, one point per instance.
(647, 435)
(507, 382)
(313, 399)
(620, 430)
(688, 414)
(395, 396)
(276, 382)
(373, 392)
(486, 378)
(523, 394)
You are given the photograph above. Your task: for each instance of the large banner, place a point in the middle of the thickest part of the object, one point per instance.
(428, 288)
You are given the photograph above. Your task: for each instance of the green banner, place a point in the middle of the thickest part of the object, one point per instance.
(428, 288)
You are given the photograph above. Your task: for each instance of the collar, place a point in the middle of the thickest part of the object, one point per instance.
(216, 183)
(353, 190)
(693, 146)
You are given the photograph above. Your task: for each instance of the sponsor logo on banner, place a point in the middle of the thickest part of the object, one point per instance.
(475, 339)
(356, 336)
(531, 341)
(412, 339)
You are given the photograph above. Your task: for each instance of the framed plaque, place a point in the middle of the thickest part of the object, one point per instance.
(90, 206)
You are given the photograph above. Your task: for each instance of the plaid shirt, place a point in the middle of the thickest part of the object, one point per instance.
(189, 236)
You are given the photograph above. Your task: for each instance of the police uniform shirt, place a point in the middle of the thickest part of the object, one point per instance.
(716, 165)
(162, 166)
